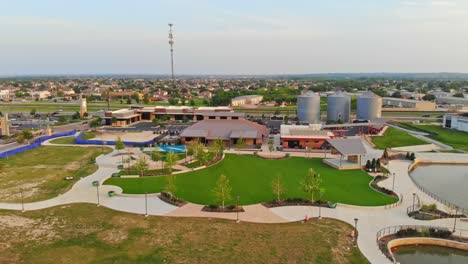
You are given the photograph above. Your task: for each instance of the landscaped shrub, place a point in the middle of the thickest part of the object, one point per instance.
(429, 208)
(439, 233)
(287, 155)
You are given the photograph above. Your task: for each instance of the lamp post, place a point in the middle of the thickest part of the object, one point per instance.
(97, 193)
(146, 204)
(414, 197)
(320, 207)
(393, 184)
(455, 219)
(355, 231)
(22, 200)
(237, 209)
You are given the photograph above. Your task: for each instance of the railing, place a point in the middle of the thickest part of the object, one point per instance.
(439, 199)
(415, 207)
(457, 235)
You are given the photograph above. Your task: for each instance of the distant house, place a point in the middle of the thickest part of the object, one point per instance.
(246, 100)
(40, 94)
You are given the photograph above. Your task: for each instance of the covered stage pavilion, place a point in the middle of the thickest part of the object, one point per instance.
(350, 150)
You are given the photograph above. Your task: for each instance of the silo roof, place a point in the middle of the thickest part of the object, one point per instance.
(310, 94)
(369, 94)
(339, 94)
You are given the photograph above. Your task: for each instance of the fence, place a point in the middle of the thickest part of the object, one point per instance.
(79, 140)
(36, 143)
(417, 205)
(437, 198)
(457, 235)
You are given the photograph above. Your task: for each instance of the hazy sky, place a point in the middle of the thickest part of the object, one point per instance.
(233, 36)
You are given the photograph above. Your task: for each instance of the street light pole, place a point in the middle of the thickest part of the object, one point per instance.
(146, 204)
(22, 200)
(355, 231)
(455, 220)
(237, 209)
(393, 184)
(97, 194)
(320, 207)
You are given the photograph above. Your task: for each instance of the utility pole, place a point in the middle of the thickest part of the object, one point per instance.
(171, 43)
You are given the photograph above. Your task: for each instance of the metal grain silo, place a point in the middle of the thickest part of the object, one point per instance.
(338, 107)
(308, 108)
(369, 106)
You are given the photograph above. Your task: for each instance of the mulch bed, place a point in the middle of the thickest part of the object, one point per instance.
(386, 191)
(296, 202)
(225, 209)
(170, 199)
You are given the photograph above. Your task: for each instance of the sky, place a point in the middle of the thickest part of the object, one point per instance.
(233, 37)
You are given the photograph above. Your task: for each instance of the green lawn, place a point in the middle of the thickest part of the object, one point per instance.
(63, 140)
(451, 137)
(41, 172)
(393, 138)
(85, 234)
(251, 178)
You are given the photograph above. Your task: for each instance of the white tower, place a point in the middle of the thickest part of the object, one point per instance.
(83, 107)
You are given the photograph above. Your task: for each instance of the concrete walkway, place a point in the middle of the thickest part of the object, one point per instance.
(371, 219)
(423, 136)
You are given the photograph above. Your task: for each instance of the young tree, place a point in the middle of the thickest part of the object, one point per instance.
(27, 134)
(368, 165)
(170, 184)
(141, 165)
(20, 139)
(33, 111)
(277, 187)
(156, 156)
(373, 164)
(412, 156)
(378, 165)
(119, 145)
(95, 123)
(222, 190)
(219, 146)
(311, 183)
(240, 142)
(171, 160)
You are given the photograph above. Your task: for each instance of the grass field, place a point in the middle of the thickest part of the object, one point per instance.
(453, 138)
(251, 178)
(84, 233)
(63, 140)
(41, 172)
(393, 138)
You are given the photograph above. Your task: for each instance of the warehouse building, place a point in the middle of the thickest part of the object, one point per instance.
(407, 104)
(136, 113)
(230, 131)
(449, 100)
(456, 122)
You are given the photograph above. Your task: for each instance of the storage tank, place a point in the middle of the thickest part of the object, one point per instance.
(308, 108)
(338, 107)
(369, 106)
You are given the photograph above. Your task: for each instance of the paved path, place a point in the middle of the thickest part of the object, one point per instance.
(423, 136)
(371, 220)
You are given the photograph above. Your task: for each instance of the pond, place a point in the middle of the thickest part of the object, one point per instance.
(425, 254)
(447, 181)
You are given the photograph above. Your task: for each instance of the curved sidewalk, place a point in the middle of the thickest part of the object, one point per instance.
(371, 220)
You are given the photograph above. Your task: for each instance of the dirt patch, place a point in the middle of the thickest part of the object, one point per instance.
(113, 236)
(10, 221)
